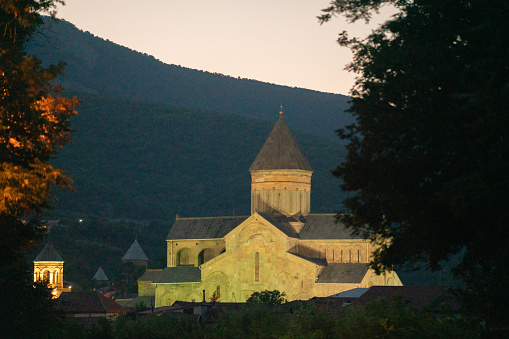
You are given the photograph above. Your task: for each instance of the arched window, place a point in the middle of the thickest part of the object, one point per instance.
(218, 291)
(55, 277)
(349, 255)
(201, 257)
(257, 266)
(46, 275)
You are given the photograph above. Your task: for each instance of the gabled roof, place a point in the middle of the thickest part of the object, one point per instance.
(324, 226)
(343, 273)
(135, 252)
(88, 302)
(280, 151)
(100, 275)
(179, 274)
(280, 222)
(48, 253)
(204, 228)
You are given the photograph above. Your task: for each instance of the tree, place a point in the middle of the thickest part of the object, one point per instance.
(428, 155)
(267, 298)
(34, 123)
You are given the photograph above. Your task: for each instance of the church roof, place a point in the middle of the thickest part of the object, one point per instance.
(343, 273)
(135, 252)
(324, 226)
(204, 228)
(281, 223)
(317, 227)
(100, 275)
(150, 275)
(49, 253)
(179, 274)
(280, 151)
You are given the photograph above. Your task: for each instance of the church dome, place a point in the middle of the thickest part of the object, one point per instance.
(280, 151)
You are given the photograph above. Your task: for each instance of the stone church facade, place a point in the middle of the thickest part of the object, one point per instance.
(281, 245)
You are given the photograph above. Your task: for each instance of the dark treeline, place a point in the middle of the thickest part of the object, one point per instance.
(378, 319)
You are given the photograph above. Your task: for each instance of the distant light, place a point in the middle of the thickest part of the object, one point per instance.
(81, 220)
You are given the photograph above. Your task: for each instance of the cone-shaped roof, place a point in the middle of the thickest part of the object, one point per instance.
(49, 253)
(280, 151)
(135, 253)
(100, 275)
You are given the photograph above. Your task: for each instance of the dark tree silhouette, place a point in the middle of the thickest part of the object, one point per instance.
(428, 155)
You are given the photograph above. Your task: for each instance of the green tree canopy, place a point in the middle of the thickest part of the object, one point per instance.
(428, 155)
(267, 298)
(34, 123)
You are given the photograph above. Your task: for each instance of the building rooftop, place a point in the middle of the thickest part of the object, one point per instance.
(135, 252)
(204, 228)
(343, 273)
(179, 274)
(48, 253)
(100, 275)
(280, 151)
(88, 302)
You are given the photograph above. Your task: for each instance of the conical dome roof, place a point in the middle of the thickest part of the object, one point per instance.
(280, 151)
(49, 253)
(135, 252)
(100, 275)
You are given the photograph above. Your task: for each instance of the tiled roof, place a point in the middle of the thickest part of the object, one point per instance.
(150, 275)
(281, 223)
(88, 302)
(100, 275)
(204, 228)
(316, 261)
(179, 274)
(324, 226)
(353, 293)
(280, 151)
(343, 273)
(135, 252)
(48, 253)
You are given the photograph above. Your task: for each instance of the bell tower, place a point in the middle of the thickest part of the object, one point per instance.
(281, 175)
(49, 266)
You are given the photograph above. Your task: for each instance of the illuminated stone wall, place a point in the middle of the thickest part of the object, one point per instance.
(285, 191)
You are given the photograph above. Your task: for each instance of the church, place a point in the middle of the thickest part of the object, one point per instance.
(280, 246)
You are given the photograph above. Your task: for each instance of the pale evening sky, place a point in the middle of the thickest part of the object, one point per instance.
(275, 41)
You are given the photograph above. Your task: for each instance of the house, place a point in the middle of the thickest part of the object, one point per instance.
(89, 307)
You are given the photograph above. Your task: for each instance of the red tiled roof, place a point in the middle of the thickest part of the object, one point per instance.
(88, 302)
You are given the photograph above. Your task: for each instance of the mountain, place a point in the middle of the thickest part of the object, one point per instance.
(99, 66)
(144, 160)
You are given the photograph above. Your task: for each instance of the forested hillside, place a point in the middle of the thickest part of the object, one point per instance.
(103, 67)
(146, 161)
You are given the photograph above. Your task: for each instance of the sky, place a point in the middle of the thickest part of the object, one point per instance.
(275, 41)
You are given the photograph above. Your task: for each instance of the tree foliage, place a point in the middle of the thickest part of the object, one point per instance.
(34, 123)
(428, 155)
(267, 298)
